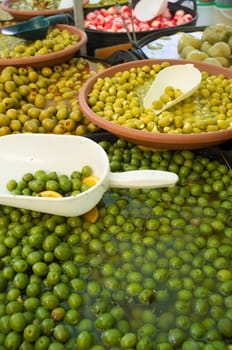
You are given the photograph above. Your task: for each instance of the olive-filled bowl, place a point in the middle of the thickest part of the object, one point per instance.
(53, 58)
(205, 103)
(21, 14)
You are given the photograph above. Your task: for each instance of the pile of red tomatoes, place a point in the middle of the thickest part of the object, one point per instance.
(108, 19)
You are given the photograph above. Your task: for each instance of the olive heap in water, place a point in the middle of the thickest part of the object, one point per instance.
(153, 272)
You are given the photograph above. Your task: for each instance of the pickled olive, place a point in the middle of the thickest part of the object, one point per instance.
(198, 113)
(168, 95)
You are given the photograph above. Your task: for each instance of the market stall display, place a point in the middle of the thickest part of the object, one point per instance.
(144, 269)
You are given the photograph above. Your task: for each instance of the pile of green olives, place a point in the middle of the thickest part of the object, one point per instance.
(153, 272)
(57, 39)
(169, 94)
(119, 99)
(44, 100)
(52, 184)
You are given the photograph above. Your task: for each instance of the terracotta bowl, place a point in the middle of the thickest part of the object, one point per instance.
(50, 59)
(152, 139)
(24, 15)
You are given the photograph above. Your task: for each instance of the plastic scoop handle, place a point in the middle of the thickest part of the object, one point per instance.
(142, 179)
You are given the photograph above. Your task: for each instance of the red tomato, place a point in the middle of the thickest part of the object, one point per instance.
(110, 20)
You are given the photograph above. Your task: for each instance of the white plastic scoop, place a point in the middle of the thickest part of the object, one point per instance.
(22, 153)
(184, 77)
(146, 10)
